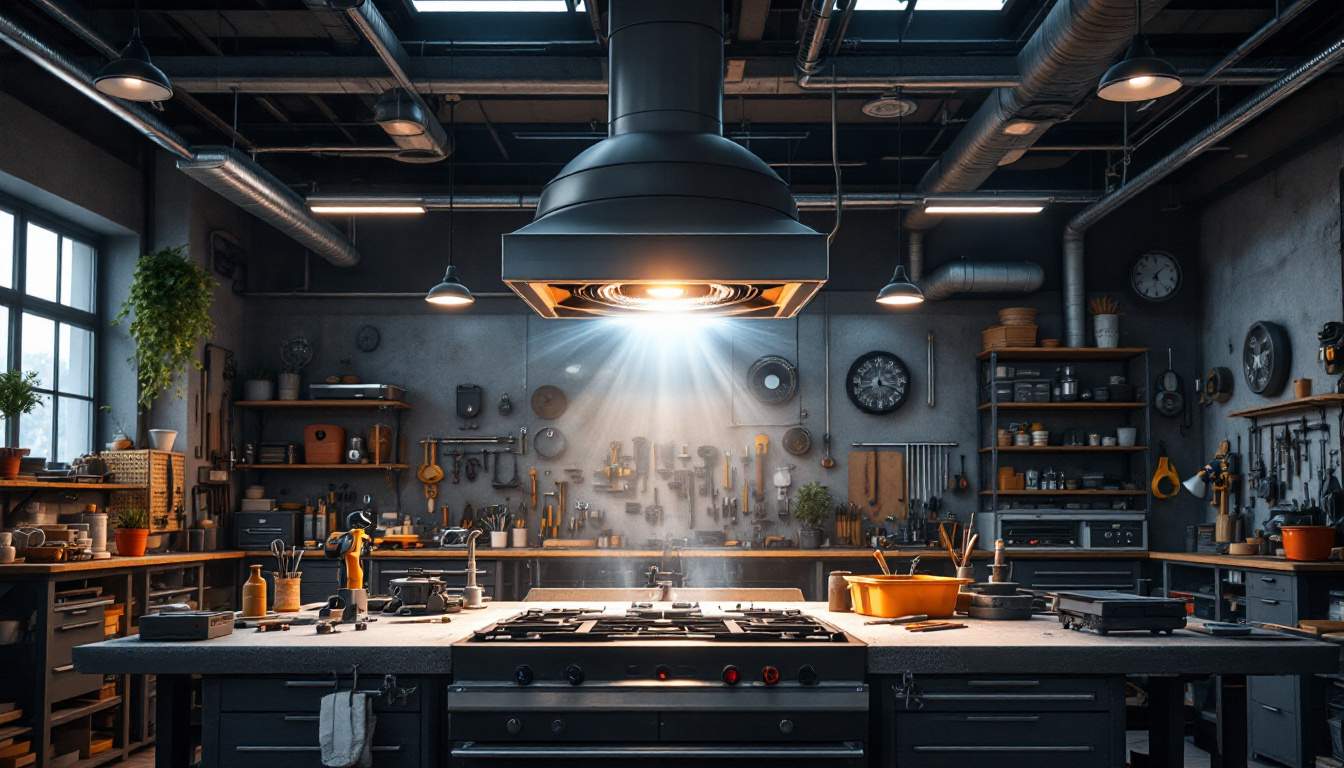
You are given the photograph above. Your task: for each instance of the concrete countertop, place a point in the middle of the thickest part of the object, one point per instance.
(171, 558)
(1038, 646)
(827, 553)
(1254, 562)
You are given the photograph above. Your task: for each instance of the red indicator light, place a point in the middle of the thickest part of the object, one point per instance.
(770, 675)
(731, 675)
(662, 672)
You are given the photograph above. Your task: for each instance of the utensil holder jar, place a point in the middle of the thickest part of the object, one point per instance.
(286, 593)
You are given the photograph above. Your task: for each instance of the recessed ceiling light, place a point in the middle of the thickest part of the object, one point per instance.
(494, 6)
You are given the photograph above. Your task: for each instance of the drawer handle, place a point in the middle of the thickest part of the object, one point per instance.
(1049, 587)
(1268, 579)
(1002, 718)
(78, 607)
(1122, 574)
(251, 748)
(1003, 683)
(80, 625)
(310, 684)
(1015, 748)
(1268, 708)
(1269, 601)
(1009, 697)
(301, 718)
(263, 530)
(80, 612)
(66, 668)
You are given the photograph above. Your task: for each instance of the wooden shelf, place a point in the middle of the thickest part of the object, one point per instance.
(1065, 493)
(1078, 406)
(14, 731)
(1066, 449)
(68, 714)
(396, 467)
(1063, 354)
(35, 485)
(1290, 406)
(325, 404)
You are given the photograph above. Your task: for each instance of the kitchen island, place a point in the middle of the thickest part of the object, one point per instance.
(1034, 661)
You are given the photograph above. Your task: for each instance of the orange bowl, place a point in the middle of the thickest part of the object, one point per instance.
(888, 597)
(1308, 542)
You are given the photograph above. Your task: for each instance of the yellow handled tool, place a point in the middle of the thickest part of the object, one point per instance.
(1165, 471)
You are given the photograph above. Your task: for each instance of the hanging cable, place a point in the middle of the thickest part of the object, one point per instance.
(835, 158)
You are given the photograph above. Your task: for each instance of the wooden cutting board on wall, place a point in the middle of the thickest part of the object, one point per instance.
(878, 476)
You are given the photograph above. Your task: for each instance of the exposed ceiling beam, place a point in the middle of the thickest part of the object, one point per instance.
(751, 20)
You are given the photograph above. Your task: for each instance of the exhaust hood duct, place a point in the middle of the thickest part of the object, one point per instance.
(964, 276)
(666, 215)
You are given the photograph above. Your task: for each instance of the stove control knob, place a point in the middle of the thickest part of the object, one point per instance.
(807, 675)
(786, 727)
(514, 726)
(574, 674)
(732, 675)
(522, 675)
(557, 727)
(662, 672)
(770, 675)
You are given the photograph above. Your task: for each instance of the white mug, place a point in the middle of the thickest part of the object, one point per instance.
(7, 554)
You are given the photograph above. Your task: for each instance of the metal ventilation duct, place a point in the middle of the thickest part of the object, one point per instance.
(666, 214)
(250, 187)
(962, 276)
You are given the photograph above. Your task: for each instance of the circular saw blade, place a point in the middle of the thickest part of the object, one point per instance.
(549, 401)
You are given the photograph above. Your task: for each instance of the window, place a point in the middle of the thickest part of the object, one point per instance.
(48, 325)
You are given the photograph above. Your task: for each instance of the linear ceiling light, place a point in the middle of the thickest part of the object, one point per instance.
(494, 6)
(985, 205)
(362, 209)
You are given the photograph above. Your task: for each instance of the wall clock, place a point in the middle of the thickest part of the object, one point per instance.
(878, 383)
(1156, 276)
(368, 338)
(1265, 357)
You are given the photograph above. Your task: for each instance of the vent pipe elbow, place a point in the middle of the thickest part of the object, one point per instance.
(244, 183)
(963, 276)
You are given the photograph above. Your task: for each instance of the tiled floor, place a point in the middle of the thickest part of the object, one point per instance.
(1194, 758)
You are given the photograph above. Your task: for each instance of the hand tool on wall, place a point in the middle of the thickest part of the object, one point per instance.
(762, 444)
(469, 397)
(710, 455)
(641, 445)
(533, 474)
(746, 473)
(783, 479)
(654, 514)
(931, 373)
(727, 471)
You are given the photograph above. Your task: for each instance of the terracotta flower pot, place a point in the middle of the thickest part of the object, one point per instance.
(9, 462)
(131, 541)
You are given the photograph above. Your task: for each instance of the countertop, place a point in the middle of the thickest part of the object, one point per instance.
(1252, 562)
(1038, 646)
(44, 569)
(826, 553)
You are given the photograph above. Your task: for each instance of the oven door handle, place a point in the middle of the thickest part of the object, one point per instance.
(590, 751)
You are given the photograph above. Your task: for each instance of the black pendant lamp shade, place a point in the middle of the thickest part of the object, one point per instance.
(451, 292)
(1141, 75)
(900, 291)
(132, 76)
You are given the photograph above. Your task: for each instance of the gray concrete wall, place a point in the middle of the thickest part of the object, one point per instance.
(1271, 251)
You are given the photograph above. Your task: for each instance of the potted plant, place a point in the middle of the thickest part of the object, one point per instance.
(132, 532)
(121, 441)
(812, 506)
(260, 385)
(18, 396)
(289, 383)
(169, 306)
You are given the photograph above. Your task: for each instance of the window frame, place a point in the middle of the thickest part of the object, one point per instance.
(17, 302)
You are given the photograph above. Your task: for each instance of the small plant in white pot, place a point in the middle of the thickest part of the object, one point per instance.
(18, 396)
(121, 440)
(812, 506)
(260, 385)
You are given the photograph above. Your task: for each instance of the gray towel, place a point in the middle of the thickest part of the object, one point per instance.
(346, 730)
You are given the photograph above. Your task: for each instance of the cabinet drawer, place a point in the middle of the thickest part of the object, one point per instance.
(1271, 609)
(763, 727)
(64, 615)
(1261, 584)
(299, 695)
(1279, 691)
(1007, 740)
(1000, 693)
(541, 726)
(64, 682)
(1060, 575)
(1274, 733)
(63, 638)
(290, 740)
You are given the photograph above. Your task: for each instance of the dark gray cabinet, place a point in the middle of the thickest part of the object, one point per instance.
(1062, 575)
(1007, 721)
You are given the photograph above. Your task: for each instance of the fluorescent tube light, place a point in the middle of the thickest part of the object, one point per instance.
(493, 6)
(358, 209)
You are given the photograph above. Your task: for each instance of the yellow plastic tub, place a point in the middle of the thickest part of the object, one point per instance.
(888, 597)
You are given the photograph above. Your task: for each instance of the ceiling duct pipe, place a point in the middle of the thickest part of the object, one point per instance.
(1060, 66)
(242, 181)
(402, 112)
(237, 179)
(871, 201)
(72, 74)
(1255, 105)
(966, 276)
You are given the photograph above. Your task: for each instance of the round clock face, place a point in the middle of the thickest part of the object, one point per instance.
(878, 383)
(1265, 358)
(1156, 276)
(368, 338)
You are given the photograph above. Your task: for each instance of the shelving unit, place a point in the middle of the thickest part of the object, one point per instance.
(1027, 518)
(328, 467)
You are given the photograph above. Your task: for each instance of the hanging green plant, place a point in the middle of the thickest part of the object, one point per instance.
(169, 307)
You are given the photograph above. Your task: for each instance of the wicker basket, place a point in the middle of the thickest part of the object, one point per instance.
(163, 494)
(1001, 336)
(1017, 316)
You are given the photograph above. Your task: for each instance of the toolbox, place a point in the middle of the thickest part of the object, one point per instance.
(185, 625)
(1108, 611)
(256, 530)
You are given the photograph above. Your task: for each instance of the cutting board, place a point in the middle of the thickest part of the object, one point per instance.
(890, 476)
(569, 544)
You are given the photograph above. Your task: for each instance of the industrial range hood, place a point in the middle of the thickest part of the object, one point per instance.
(666, 215)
